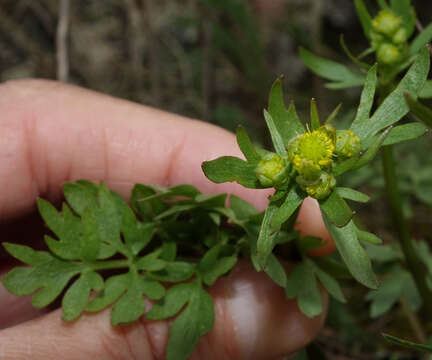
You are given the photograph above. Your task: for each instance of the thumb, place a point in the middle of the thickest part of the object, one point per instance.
(253, 321)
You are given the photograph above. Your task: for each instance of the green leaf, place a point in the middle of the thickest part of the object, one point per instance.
(394, 107)
(352, 252)
(303, 285)
(80, 195)
(333, 267)
(275, 135)
(151, 262)
(228, 169)
(175, 298)
(422, 112)
(426, 92)
(340, 75)
(408, 344)
(405, 132)
(345, 166)
(333, 115)
(267, 236)
(90, 240)
(195, 321)
(402, 8)
(368, 237)
(289, 206)
(329, 283)
(246, 146)
(286, 121)
(131, 304)
(352, 194)
(276, 271)
(115, 286)
(421, 40)
(242, 209)
(49, 274)
(136, 234)
(336, 209)
(370, 153)
(364, 17)
(174, 272)
(66, 226)
(222, 266)
(146, 209)
(77, 296)
(315, 121)
(367, 97)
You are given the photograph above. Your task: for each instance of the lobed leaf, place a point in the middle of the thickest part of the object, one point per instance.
(336, 209)
(352, 252)
(267, 235)
(286, 121)
(229, 169)
(340, 75)
(394, 107)
(367, 97)
(292, 201)
(426, 92)
(195, 321)
(246, 146)
(422, 112)
(422, 39)
(302, 284)
(351, 194)
(277, 140)
(76, 297)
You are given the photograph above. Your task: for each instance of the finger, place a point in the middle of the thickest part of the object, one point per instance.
(253, 321)
(52, 133)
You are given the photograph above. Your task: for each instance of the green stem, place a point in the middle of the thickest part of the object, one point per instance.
(106, 265)
(413, 261)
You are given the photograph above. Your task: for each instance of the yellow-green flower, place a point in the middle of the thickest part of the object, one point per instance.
(312, 151)
(272, 170)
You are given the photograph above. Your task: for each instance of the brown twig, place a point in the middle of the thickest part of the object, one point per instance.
(62, 40)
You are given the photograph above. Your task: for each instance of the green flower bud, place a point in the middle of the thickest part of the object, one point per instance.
(388, 54)
(400, 36)
(376, 40)
(347, 143)
(319, 189)
(312, 151)
(272, 170)
(386, 22)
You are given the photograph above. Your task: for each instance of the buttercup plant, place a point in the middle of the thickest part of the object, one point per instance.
(171, 244)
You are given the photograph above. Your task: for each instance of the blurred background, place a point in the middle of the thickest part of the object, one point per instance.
(215, 60)
(209, 59)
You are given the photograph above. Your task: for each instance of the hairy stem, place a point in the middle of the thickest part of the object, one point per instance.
(413, 261)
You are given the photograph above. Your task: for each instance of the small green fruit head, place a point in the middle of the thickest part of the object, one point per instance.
(388, 54)
(272, 171)
(320, 188)
(347, 144)
(388, 38)
(386, 23)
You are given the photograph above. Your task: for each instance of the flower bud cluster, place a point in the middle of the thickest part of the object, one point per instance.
(388, 38)
(313, 153)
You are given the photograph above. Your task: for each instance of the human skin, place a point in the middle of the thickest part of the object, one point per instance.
(51, 133)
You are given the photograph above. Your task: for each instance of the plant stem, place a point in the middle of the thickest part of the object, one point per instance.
(412, 259)
(106, 265)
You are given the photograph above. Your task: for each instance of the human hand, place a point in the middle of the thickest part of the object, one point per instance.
(52, 133)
